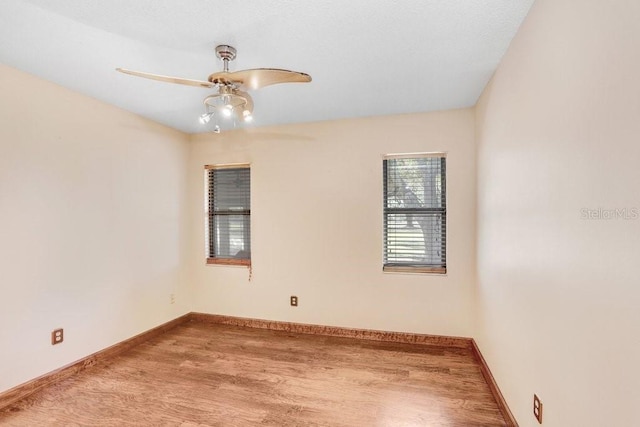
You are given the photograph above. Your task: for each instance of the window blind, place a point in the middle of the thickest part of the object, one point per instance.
(415, 214)
(229, 219)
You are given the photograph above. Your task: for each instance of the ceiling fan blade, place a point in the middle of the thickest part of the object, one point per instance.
(259, 77)
(168, 79)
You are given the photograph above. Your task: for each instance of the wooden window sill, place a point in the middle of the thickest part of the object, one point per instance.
(428, 270)
(229, 261)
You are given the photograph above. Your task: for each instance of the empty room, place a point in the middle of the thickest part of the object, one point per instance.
(295, 213)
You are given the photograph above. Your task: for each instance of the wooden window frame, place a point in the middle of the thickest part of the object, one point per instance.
(414, 269)
(245, 262)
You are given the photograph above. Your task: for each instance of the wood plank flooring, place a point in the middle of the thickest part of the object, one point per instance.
(200, 374)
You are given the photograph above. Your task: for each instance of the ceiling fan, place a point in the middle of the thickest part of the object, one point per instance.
(231, 99)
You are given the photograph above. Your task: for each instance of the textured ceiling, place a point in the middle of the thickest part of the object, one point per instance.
(366, 57)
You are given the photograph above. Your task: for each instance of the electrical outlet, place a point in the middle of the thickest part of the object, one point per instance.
(57, 336)
(537, 408)
(172, 299)
(294, 301)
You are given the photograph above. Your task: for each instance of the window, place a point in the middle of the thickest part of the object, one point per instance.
(229, 215)
(415, 213)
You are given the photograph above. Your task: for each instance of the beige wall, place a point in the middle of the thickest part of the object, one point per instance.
(91, 225)
(317, 225)
(558, 131)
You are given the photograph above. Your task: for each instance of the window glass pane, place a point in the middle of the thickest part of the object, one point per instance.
(231, 189)
(415, 183)
(415, 239)
(232, 236)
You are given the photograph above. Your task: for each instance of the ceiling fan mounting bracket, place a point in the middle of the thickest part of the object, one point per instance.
(226, 53)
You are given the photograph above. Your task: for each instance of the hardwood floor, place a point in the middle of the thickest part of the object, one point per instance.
(200, 374)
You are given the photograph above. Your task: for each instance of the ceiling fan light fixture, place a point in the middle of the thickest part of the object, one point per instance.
(227, 108)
